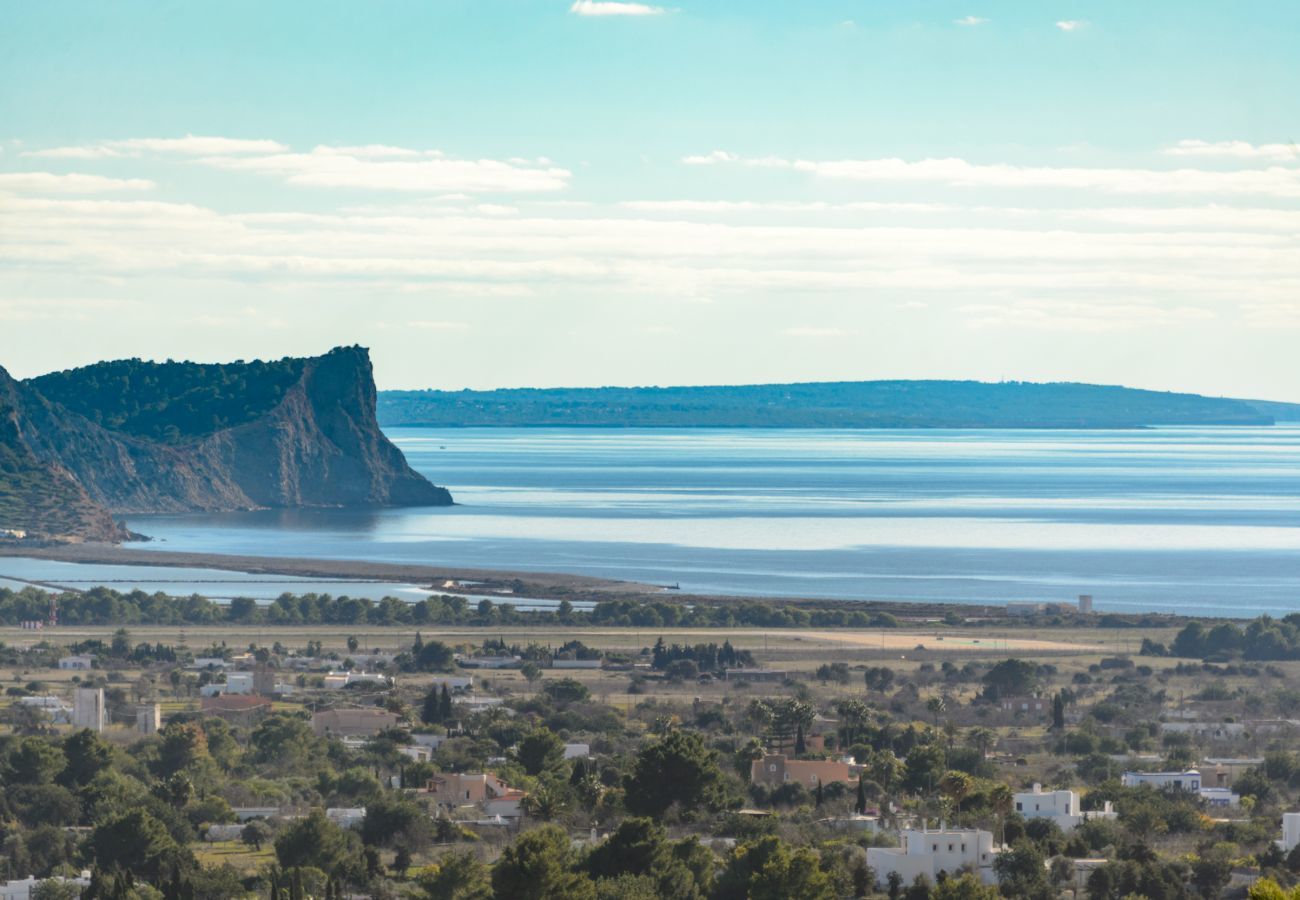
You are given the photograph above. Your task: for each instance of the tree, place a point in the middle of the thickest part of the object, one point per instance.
(314, 841)
(284, 741)
(539, 751)
(353, 643)
(1010, 678)
(936, 706)
(36, 761)
(956, 786)
(87, 755)
(567, 690)
(137, 843)
(537, 866)
(924, 768)
(393, 819)
(640, 848)
(860, 804)
(1211, 872)
(457, 876)
(878, 678)
(432, 711)
(531, 671)
(1058, 711)
(184, 746)
(967, 887)
(676, 769)
(434, 656)
(1002, 801)
(255, 833)
(1022, 872)
(767, 869)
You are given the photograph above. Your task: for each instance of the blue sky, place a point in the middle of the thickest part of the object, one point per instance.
(534, 193)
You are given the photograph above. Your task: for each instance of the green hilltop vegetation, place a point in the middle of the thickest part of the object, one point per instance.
(850, 404)
(171, 401)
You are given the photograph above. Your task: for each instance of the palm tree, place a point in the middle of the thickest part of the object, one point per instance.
(983, 739)
(957, 786)
(936, 706)
(1002, 801)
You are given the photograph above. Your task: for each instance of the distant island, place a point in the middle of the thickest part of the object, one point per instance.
(129, 436)
(846, 404)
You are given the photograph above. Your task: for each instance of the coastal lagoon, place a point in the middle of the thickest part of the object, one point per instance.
(1188, 520)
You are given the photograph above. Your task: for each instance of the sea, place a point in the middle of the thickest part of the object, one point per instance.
(1180, 519)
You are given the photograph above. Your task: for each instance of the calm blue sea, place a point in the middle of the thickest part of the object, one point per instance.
(1174, 519)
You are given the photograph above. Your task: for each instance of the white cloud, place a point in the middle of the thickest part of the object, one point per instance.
(815, 331)
(190, 145)
(1235, 150)
(1275, 181)
(708, 159)
(74, 183)
(1082, 315)
(611, 8)
(391, 169)
(753, 206)
(970, 21)
(1071, 24)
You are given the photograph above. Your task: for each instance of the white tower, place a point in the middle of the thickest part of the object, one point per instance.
(88, 708)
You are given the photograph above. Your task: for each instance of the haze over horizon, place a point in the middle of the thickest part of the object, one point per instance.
(609, 193)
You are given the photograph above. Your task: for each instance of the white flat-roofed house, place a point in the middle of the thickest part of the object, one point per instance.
(210, 662)
(336, 681)
(58, 710)
(925, 852)
(77, 663)
(238, 683)
(1062, 807)
(577, 751)
(1290, 832)
(1220, 797)
(576, 663)
(489, 662)
(1183, 781)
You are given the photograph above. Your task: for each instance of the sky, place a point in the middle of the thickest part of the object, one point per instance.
(533, 193)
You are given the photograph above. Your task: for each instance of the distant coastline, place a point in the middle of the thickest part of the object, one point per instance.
(827, 405)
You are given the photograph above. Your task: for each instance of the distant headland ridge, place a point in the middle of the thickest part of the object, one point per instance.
(843, 404)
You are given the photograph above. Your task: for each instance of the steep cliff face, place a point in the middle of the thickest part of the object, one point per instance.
(310, 439)
(40, 499)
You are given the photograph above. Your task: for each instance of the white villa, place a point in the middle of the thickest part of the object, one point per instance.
(1062, 807)
(926, 852)
(1218, 797)
(1185, 781)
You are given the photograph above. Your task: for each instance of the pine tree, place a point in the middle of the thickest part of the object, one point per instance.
(431, 711)
(818, 795)
(861, 806)
(444, 704)
(417, 646)
(800, 746)
(579, 771)
(1058, 711)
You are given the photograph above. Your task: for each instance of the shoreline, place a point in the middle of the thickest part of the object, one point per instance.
(525, 585)
(505, 584)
